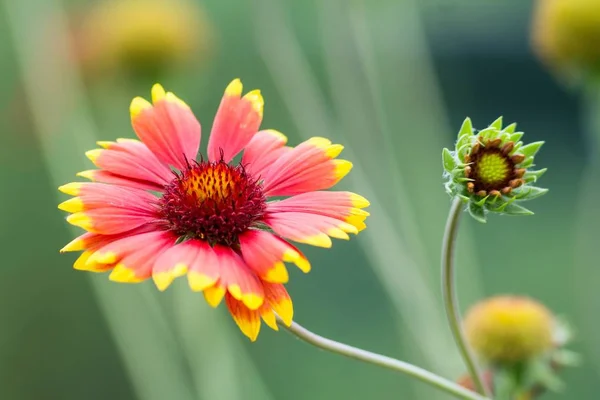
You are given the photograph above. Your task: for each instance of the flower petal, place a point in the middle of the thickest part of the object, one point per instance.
(168, 127)
(279, 300)
(265, 253)
(192, 257)
(262, 151)
(345, 206)
(108, 209)
(101, 195)
(239, 280)
(131, 160)
(308, 167)
(109, 221)
(82, 264)
(308, 228)
(236, 122)
(133, 256)
(214, 294)
(98, 175)
(247, 320)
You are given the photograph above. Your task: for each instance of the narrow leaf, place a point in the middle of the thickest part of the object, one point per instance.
(532, 176)
(448, 160)
(531, 149)
(529, 192)
(466, 129)
(477, 212)
(515, 137)
(515, 209)
(511, 128)
(497, 124)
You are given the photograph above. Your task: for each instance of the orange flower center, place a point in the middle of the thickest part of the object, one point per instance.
(213, 201)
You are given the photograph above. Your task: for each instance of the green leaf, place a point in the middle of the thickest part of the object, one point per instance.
(466, 129)
(497, 124)
(481, 202)
(529, 192)
(566, 358)
(464, 138)
(527, 163)
(532, 176)
(502, 204)
(531, 149)
(515, 137)
(464, 179)
(448, 160)
(515, 209)
(541, 373)
(505, 384)
(477, 212)
(488, 133)
(511, 128)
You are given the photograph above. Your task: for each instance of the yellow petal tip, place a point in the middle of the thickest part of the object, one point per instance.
(213, 295)
(277, 274)
(105, 144)
(72, 188)
(72, 205)
(199, 282)
(89, 174)
(74, 245)
(235, 291)
(81, 220)
(234, 88)
(138, 104)
(93, 154)
(162, 280)
(285, 309)
(298, 259)
(123, 274)
(320, 240)
(252, 300)
(342, 167)
(359, 201)
(158, 93)
(256, 100)
(333, 150)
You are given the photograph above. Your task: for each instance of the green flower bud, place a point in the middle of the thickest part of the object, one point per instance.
(491, 170)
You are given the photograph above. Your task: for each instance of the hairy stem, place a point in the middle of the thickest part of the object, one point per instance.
(382, 361)
(450, 298)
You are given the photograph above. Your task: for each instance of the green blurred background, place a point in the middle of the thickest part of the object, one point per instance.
(392, 81)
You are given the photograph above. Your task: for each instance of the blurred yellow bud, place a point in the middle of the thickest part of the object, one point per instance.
(141, 36)
(509, 329)
(566, 34)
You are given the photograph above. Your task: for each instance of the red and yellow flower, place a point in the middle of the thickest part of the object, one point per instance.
(153, 209)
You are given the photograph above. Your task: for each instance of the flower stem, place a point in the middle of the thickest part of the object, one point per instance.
(382, 361)
(450, 298)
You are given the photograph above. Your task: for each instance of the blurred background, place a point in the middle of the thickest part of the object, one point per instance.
(391, 80)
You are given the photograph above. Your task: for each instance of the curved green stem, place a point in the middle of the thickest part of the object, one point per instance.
(382, 361)
(450, 298)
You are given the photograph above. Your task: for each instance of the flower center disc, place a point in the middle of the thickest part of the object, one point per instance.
(213, 201)
(492, 169)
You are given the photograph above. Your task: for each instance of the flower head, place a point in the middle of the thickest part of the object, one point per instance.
(141, 36)
(509, 329)
(491, 170)
(154, 209)
(565, 35)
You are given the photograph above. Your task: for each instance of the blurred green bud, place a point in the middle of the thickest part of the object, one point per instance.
(491, 170)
